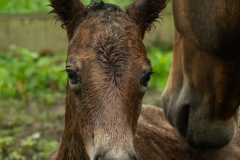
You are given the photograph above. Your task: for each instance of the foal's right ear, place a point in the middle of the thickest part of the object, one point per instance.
(69, 12)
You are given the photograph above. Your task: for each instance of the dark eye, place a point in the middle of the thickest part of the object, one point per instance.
(146, 78)
(72, 76)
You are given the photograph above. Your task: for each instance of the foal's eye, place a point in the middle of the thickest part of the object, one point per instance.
(72, 76)
(145, 79)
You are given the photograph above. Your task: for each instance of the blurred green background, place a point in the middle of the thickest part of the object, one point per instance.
(32, 89)
(30, 6)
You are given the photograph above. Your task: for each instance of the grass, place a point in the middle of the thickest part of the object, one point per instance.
(29, 130)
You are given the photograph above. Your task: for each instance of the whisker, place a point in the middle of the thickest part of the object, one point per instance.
(63, 70)
(156, 103)
(156, 74)
(158, 95)
(156, 59)
(154, 62)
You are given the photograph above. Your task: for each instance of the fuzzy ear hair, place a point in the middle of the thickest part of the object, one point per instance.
(145, 12)
(69, 12)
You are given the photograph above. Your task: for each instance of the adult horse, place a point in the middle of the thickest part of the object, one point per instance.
(202, 95)
(108, 72)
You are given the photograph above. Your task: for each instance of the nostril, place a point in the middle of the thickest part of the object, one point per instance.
(133, 158)
(98, 157)
(182, 119)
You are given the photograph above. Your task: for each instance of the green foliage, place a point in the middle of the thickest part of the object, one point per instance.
(23, 6)
(27, 75)
(28, 82)
(161, 61)
(32, 147)
(29, 6)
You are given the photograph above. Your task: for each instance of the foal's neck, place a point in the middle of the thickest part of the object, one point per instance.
(72, 146)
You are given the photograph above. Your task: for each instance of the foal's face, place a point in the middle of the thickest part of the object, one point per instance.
(108, 72)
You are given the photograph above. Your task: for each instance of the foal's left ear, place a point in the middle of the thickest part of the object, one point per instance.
(145, 12)
(70, 12)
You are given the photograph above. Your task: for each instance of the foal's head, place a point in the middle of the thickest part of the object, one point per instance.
(108, 72)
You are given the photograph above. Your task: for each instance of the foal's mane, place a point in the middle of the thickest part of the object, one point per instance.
(100, 5)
